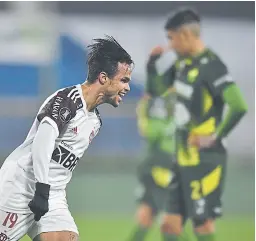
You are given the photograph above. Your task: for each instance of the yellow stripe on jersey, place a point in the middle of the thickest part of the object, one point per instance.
(207, 101)
(190, 157)
(206, 128)
(209, 126)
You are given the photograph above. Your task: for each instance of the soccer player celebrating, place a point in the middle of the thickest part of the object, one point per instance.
(203, 86)
(156, 125)
(33, 178)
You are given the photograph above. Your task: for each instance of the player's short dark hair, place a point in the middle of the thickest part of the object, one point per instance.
(104, 56)
(181, 17)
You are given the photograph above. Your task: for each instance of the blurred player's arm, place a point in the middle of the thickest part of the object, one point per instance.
(221, 84)
(237, 108)
(152, 78)
(142, 118)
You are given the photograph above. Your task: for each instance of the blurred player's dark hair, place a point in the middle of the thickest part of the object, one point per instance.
(181, 17)
(104, 56)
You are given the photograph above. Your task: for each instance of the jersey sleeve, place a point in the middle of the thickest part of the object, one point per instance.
(42, 149)
(221, 85)
(236, 109)
(217, 77)
(59, 110)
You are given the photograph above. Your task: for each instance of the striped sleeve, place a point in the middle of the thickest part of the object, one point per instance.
(61, 108)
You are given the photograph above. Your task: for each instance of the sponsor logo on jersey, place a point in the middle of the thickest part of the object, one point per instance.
(66, 145)
(56, 106)
(183, 89)
(74, 130)
(65, 114)
(192, 75)
(3, 237)
(65, 158)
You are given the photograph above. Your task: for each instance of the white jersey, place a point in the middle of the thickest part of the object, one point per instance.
(66, 111)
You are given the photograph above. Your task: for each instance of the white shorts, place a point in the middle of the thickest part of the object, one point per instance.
(14, 226)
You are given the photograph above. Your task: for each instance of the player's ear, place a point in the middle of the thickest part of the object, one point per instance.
(103, 78)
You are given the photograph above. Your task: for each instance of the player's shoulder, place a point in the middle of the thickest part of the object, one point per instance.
(213, 69)
(212, 64)
(211, 58)
(72, 94)
(68, 96)
(64, 99)
(61, 106)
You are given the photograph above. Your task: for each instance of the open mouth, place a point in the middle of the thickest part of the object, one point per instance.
(121, 95)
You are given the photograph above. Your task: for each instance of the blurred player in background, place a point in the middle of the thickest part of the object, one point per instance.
(204, 87)
(156, 125)
(33, 178)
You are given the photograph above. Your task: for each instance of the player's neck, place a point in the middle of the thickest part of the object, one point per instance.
(198, 47)
(92, 96)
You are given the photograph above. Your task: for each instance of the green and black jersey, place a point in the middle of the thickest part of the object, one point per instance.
(204, 87)
(199, 83)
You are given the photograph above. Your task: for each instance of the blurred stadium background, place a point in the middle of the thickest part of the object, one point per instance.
(42, 48)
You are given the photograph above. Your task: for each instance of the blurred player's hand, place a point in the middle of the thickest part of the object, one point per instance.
(202, 141)
(39, 204)
(158, 51)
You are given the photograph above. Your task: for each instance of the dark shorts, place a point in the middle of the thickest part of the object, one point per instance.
(154, 197)
(155, 176)
(196, 191)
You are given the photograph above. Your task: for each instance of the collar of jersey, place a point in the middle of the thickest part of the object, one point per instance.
(197, 56)
(205, 51)
(82, 98)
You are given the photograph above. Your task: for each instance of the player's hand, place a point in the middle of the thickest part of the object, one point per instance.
(39, 204)
(158, 51)
(202, 141)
